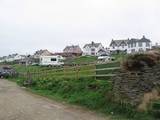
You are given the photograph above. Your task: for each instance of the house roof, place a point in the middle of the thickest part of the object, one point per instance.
(92, 45)
(42, 53)
(72, 49)
(102, 50)
(118, 42)
(129, 41)
(143, 39)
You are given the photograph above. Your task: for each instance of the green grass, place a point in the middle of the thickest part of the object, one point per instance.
(84, 91)
(23, 68)
(108, 65)
(119, 57)
(87, 92)
(83, 60)
(55, 72)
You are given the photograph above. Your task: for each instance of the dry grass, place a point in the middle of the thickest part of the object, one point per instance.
(147, 99)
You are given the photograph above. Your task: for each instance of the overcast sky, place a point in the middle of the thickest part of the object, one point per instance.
(29, 25)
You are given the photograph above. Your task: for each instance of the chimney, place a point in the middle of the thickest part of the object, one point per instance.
(92, 43)
(143, 36)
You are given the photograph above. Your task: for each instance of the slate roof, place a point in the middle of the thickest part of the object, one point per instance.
(92, 45)
(119, 42)
(143, 39)
(42, 53)
(102, 50)
(129, 41)
(72, 49)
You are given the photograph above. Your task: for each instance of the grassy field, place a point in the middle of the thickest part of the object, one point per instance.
(85, 91)
(81, 60)
(67, 71)
(65, 84)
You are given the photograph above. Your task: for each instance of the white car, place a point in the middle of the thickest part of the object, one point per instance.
(105, 58)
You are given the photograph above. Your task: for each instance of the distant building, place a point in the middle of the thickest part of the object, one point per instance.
(93, 49)
(73, 50)
(130, 45)
(12, 58)
(103, 52)
(2, 59)
(118, 45)
(156, 46)
(39, 53)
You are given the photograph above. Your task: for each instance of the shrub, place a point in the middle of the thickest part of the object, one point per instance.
(138, 62)
(156, 109)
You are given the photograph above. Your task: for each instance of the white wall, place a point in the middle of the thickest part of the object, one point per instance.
(129, 49)
(87, 50)
(137, 48)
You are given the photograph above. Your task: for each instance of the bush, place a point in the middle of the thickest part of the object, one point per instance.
(156, 109)
(138, 62)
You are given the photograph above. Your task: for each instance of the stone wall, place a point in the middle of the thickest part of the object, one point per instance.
(130, 87)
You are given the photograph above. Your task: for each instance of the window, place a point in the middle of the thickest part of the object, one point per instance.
(147, 44)
(53, 59)
(134, 44)
(140, 44)
(131, 45)
(92, 53)
(92, 49)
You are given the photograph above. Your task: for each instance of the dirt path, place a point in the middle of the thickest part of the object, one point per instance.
(17, 104)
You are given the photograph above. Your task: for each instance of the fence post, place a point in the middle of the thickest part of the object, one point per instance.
(64, 71)
(95, 72)
(45, 73)
(76, 70)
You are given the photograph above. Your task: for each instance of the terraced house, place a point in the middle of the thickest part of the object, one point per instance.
(130, 45)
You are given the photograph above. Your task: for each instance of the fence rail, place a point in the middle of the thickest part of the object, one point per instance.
(92, 70)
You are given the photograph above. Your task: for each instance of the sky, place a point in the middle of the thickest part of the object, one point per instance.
(30, 25)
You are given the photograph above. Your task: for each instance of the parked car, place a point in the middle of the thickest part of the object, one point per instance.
(7, 72)
(105, 58)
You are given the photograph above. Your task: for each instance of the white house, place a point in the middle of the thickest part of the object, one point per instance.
(93, 49)
(55, 60)
(13, 57)
(131, 45)
(121, 45)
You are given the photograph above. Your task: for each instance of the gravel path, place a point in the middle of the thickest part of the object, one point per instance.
(18, 104)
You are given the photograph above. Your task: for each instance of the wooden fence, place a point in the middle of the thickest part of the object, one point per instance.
(77, 71)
